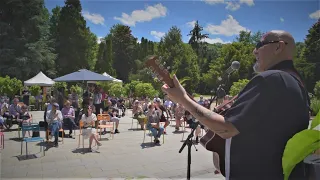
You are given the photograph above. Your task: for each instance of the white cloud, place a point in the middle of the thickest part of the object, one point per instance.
(215, 40)
(228, 27)
(212, 2)
(99, 39)
(315, 15)
(150, 12)
(94, 18)
(281, 19)
(157, 35)
(230, 5)
(191, 24)
(248, 2)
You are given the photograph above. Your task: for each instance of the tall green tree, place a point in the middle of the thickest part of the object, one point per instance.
(24, 33)
(72, 47)
(105, 57)
(197, 37)
(312, 53)
(92, 50)
(180, 58)
(123, 45)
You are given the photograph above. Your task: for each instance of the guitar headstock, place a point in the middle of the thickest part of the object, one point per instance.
(154, 64)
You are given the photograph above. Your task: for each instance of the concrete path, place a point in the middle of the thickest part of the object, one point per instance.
(124, 157)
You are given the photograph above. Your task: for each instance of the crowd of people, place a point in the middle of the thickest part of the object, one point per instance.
(64, 112)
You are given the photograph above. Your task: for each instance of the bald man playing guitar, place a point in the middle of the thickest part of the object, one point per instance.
(267, 113)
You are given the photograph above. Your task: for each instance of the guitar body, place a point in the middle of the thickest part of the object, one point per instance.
(213, 142)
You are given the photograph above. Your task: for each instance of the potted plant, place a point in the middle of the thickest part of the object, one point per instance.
(300, 146)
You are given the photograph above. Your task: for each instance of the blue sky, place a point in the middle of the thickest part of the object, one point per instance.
(221, 19)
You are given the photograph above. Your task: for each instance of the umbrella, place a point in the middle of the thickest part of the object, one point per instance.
(83, 75)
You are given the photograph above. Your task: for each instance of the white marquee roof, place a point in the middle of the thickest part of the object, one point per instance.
(40, 79)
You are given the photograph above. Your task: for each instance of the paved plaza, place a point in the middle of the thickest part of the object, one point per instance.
(124, 157)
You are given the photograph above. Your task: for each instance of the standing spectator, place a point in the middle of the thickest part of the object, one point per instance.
(26, 96)
(39, 102)
(74, 99)
(221, 93)
(97, 100)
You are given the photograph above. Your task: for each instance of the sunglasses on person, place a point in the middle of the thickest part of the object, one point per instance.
(262, 43)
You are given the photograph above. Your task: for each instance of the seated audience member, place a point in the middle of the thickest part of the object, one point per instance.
(168, 105)
(206, 104)
(138, 113)
(108, 106)
(191, 121)
(68, 117)
(92, 106)
(115, 117)
(24, 118)
(54, 119)
(146, 104)
(48, 106)
(179, 112)
(14, 109)
(88, 129)
(159, 107)
(122, 106)
(2, 116)
(153, 123)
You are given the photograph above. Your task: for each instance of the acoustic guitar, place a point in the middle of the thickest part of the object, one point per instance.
(210, 141)
(215, 143)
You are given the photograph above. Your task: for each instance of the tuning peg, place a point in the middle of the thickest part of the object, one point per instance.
(168, 67)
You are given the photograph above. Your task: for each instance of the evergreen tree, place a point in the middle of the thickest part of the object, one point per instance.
(123, 45)
(24, 33)
(197, 37)
(72, 39)
(312, 53)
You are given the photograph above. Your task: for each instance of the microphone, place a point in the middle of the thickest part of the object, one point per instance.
(234, 66)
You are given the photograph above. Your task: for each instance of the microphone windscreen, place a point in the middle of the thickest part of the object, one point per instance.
(235, 65)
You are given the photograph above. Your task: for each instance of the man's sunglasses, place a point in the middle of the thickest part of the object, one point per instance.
(262, 43)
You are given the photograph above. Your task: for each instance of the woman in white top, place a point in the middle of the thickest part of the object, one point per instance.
(88, 119)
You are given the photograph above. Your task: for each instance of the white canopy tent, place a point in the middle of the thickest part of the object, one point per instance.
(107, 75)
(40, 79)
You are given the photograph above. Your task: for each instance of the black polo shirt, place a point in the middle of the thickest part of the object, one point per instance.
(268, 112)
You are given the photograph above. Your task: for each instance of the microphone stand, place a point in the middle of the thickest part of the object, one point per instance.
(189, 142)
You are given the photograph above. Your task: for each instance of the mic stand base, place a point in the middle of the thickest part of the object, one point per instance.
(189, 143)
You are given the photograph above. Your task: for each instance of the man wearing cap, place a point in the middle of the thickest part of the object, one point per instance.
(257, 126)
(201, 101)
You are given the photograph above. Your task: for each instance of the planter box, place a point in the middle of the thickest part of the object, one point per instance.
(312, 163)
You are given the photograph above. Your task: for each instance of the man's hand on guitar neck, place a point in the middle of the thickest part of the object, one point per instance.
(215, 122)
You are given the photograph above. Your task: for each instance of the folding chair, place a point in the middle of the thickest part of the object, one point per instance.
(145, 129)
(60, 130)
(109, 124)
(80, 134)
(31, 127)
